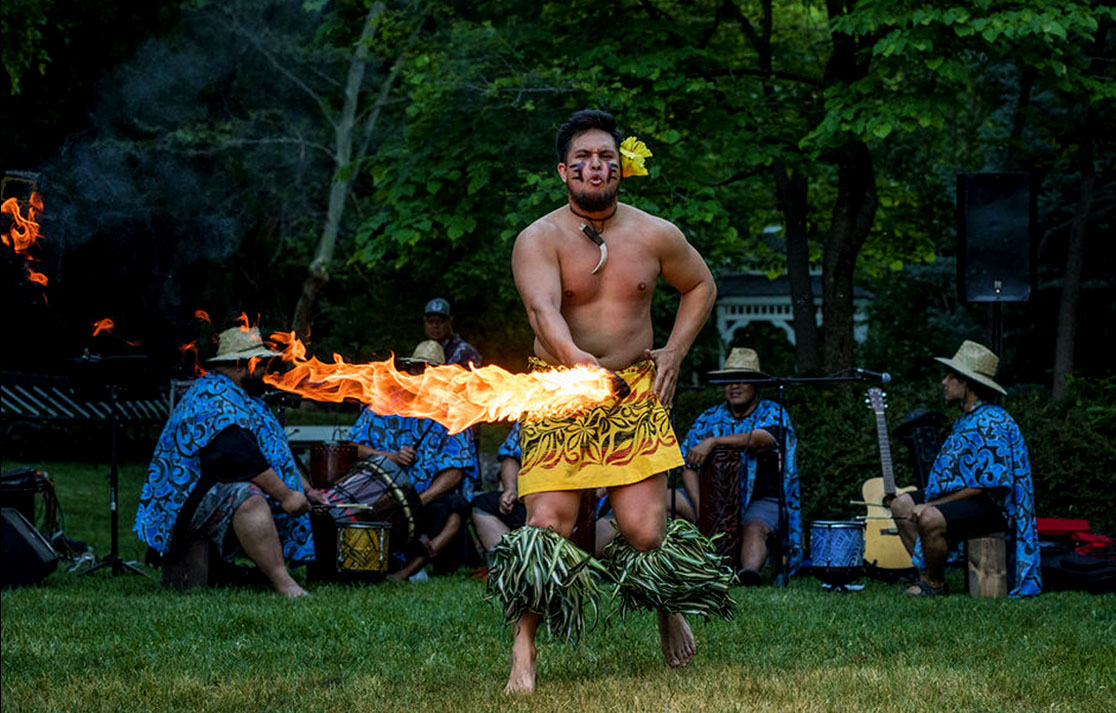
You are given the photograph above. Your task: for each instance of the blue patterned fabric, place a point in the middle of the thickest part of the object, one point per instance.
(510, 448)
(435, 448)
(459, 351)
(211, 405)
(719, 421)
(986, 450)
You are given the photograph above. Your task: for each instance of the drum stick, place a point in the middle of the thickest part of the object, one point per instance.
(881, 517)
(864, 502)
(348, 506)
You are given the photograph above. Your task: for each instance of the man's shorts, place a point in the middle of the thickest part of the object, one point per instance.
(435, 513)
(214, 515)
(765, 510)
(971, 517)
(489, 504)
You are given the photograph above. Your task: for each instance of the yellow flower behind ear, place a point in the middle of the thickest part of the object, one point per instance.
(632, 153)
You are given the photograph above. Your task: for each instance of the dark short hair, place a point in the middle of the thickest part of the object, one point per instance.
(984, 393)
(582, 121)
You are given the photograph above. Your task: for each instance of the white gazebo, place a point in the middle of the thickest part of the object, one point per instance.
(753, 297)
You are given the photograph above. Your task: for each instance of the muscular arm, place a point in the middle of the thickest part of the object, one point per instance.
(443, 482)
(539, 281)
(687, 272)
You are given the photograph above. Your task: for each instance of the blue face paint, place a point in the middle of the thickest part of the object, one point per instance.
(576, 169)
(613, 172)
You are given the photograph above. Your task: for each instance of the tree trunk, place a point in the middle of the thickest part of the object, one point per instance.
(1075, 262)
(854, 211)
(791, 188)
(343, 176)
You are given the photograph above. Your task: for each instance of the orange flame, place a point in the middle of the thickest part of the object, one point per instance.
(452, 395)
(191, 350)
(107, 326)
(103, 325)
(24, 231)
(245, 325)
(202, 315)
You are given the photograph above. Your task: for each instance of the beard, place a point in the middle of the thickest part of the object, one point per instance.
(254, 385)
(593, 202)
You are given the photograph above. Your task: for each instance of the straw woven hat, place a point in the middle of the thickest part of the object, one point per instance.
(237, 343)
(976, 362)
(741, 361)
(428, 352)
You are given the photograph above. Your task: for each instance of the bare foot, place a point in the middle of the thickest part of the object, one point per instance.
(677, 639)
(408, 570)
(291, 589)
(521, 682)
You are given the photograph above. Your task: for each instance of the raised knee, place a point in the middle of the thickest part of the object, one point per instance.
(254, 505)
(902, 505)
(754, 529)
(931, 522)
(644, 540)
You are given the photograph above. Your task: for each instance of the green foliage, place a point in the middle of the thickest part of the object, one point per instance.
(21, 26)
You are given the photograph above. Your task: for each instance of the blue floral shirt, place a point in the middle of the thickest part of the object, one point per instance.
(211, 405)
(985, 449)
(719, 421)
(510, 448)
(435, 449)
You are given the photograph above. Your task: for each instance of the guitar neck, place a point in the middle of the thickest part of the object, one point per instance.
(885, 455)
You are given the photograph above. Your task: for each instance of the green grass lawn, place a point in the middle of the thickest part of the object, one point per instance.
(104, 643)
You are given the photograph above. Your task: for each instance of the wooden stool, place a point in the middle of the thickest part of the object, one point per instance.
(986, 559)
(189, 566)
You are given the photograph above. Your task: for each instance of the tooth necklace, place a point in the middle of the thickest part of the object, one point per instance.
(597, 236)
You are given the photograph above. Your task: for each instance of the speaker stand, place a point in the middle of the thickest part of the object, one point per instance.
(113, 560)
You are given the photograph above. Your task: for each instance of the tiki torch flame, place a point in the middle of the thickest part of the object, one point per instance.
(452, 395)
(24, 231)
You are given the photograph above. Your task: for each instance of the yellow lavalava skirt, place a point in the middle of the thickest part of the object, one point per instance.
(619, 442)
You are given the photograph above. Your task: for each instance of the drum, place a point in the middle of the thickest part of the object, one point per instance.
(719, 504)
(328, 461)
(376, 491)
(837, 551)
(362, 547)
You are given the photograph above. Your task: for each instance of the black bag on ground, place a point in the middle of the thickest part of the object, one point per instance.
(1067, 570)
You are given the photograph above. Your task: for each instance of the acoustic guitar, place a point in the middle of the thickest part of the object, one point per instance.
(882, 547)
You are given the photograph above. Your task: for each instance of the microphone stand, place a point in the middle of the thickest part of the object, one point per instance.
(113, 560)
(778, 570)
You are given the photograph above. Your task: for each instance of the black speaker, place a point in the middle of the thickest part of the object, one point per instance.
(27, 557)
(995, 220)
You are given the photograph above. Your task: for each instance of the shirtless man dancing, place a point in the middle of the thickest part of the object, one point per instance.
(584, 312)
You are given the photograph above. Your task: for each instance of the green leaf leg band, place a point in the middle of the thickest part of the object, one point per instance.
(537, 570)
(683, 575)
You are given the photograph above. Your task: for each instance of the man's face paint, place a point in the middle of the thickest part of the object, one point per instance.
(612, 173)
(576, 170)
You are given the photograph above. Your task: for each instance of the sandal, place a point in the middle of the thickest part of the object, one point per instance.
(925, 589)
(749, 578)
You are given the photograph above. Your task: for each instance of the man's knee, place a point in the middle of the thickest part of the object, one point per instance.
(254, 508)
(902, 505)
(644, 537)
(755, 531)
(931, 522)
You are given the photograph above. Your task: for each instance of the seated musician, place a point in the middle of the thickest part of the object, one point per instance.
(980, 482)
(499, 511)
(223, 470)
(756, 427)
(441, 467)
